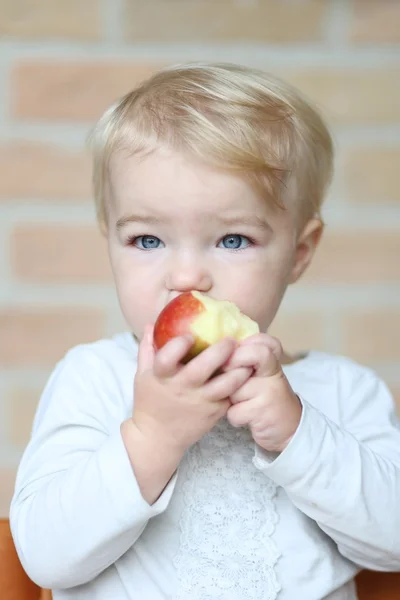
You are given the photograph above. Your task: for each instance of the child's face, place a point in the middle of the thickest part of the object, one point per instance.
(177, 225)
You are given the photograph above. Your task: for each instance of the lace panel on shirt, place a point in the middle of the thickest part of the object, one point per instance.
(227, 517)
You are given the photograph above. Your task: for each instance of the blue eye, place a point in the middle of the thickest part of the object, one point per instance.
(146, 242)
(235, 242)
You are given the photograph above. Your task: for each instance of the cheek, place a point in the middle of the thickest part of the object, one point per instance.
(134, 292)
(137, 303)
(268, 274)
(262, 288)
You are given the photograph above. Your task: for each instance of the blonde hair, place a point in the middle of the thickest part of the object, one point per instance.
(232, 117)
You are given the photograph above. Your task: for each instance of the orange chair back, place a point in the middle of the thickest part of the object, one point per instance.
(372, 585)
(14, 582)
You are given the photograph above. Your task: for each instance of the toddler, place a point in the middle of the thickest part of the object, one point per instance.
(145, 478)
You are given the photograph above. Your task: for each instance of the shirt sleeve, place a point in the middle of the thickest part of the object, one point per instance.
(77, 506)
(346, 476)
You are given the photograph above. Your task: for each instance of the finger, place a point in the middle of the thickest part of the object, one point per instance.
(223, 407)
(259, 356)
(250, 389)
(205, 365)
(168, 359)
(241, 415)
(267, 340)
(271, 367)
(275, 346)
(223, 386)
(146, 350)
(252, 355)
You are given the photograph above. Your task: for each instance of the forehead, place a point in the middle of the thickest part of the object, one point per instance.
(175, 182)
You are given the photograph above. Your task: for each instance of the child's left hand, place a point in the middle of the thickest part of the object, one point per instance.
(266, 402)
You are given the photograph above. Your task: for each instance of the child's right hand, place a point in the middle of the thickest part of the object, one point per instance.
(177, 404)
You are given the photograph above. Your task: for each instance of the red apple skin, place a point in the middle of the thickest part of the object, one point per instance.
(175, 319)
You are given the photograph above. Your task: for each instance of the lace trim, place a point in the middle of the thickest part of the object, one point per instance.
(227, 518)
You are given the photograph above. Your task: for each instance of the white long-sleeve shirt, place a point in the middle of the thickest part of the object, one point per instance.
(234, 522)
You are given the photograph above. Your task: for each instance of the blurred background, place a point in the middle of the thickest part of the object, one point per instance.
(62, 62)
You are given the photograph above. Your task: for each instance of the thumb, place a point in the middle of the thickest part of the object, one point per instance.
(146, 351)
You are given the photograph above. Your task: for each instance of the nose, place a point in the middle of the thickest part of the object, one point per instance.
(188, 272)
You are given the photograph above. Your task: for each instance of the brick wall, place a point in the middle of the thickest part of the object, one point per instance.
(62, 63)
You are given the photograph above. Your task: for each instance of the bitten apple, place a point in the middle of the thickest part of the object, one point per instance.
(206, 319)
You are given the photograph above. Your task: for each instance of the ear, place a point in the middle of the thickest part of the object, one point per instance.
(306, 245)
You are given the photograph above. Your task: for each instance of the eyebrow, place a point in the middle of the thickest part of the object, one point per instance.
(150, 219)
(249, 220)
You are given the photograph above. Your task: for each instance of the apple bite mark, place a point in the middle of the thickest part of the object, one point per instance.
(206, 319)
(220, 319)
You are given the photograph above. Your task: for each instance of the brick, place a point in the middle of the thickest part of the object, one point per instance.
(224, 21)
(356, 257)
(82, 91)
(44, 172)
(298, 332)
(372, 175)
(32, 19)
(60, 254)
(41, 336)
(79, 91)
(352, 96)
(372, 336)
(22, 404)
(375, 21)
(7, 482)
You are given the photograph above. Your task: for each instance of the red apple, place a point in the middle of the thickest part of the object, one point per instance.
(206, 319)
